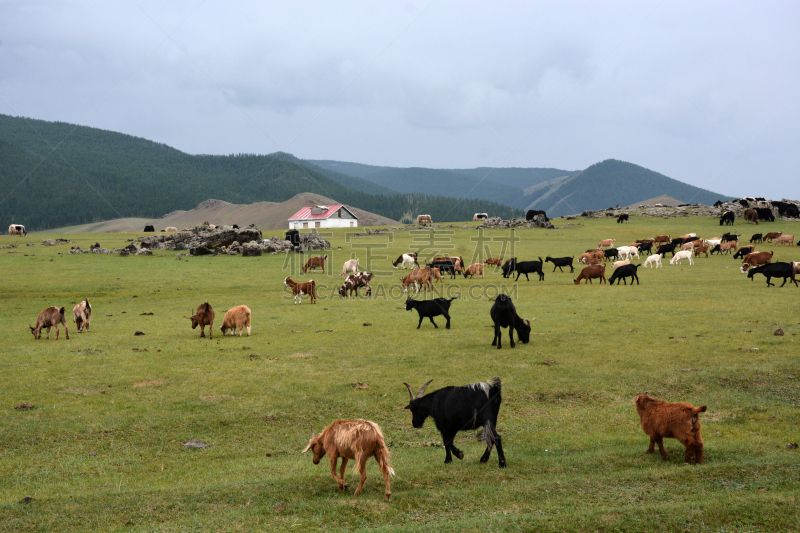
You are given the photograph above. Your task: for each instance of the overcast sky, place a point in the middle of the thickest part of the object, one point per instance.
(704, 92)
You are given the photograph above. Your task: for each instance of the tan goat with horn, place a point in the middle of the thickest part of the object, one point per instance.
(352, 439)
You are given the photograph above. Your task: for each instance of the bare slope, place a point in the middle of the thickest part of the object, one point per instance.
(265, 215)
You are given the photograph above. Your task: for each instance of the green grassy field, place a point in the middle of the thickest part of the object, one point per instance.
(102, 450)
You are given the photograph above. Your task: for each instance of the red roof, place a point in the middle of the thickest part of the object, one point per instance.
(305, 213)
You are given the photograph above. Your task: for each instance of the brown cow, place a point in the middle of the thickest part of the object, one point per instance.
(237, 317)
(671, 420)
(751, 215)
(52, 316)
(315, 262)
(606, 243)
(756, 259)
(204, 317)
(592, 272)
(299, 289)
(473, 270)
(701, 250)
(772, 235)
(785, 239)
(82, 315)
(352, 439)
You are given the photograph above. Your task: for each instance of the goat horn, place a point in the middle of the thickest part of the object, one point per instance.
(410, 394)
(312, 432)
(421, 391)
(526, 321)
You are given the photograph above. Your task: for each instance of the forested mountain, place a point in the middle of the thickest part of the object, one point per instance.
(610, 183)
(56, 174)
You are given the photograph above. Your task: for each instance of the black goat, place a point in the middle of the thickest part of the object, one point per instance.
(677, 241)
(625, 271)
(774, 270)
(455, 409)
(757, 238)
(666, 248)
(611, 253)
(430, 309)
(559, 262)
(716, 248)
(727, 218)
(743, 251)
(623, 218)
(444, 267)
(645, 247)
(504, 315)
(529, 267)
(727, 237)
(508, 267)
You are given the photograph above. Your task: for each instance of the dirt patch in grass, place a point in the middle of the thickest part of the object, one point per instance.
(153, 383)
(217, 397)
(303, 355)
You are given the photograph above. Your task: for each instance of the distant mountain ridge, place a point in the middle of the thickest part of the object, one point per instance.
(55, 174)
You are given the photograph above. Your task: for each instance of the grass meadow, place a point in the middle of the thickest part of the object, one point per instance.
(102, 449)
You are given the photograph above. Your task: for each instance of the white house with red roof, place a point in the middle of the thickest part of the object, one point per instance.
(323, 216)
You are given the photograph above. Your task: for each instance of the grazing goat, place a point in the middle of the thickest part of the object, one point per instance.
(626, 271)
(473, 270)
(727, 247)
(784, 239)
(352, 439)
(628, 251)
(314, 263)
(591, 272)
(728, 237)
(772, 270)
(204, 317)
(52, 316)
(420, 278)
(611, 253)
(431, 308)
(406, 259)
(528, 267)
(592, 257)
(756, 238)
(455, 409)
(504, 315)
(744, 251)
(755, 259)
(645, 247)
(299, 289)
(355, 282)
(769, 237)
(680, 256)
(349, 267)
(236, 318)
(606, 243)
(559, 262)
(617, 264)
(658, 239)
(496, 261)
(82, 314)
(664, 249)
(703, 249)
(671, 420)
(654, 261)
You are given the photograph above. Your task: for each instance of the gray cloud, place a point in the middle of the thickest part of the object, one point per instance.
(704, 92)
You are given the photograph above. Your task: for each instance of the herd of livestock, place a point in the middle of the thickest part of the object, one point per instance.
(476, 406)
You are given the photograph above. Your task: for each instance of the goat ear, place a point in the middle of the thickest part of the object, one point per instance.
(421, 391)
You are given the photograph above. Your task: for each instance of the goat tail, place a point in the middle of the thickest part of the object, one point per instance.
(701, 409)
(495, 382)
(486, 434)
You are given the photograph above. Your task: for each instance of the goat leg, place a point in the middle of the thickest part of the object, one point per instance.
(341, 472)
(432, 322)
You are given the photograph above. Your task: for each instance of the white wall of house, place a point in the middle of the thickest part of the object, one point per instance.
(325, 223)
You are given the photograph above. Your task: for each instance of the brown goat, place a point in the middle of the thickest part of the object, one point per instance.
(352, 439)
(671, 420)
(592, 272)
(606, 243)
(82, 314)
(52, 316)
(204, 317)
(701, 250)
(314, 263)
(474, 269)
(769, 237)
(493, 261)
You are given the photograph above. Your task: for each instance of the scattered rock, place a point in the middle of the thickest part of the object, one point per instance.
(254, 356)
(778, 332)
(538, 221)
(367, 323)
(144, 251)
(146, 314)
(25, 407)
(196, 444)
(76, 250)
(550, 362)
(26, 500)
(139, 333)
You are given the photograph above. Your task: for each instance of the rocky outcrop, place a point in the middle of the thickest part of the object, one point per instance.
(200, 238)
(538, 221)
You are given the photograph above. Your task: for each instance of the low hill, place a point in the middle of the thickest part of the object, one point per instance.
(265, 215)
(55, 174)
(610, 183)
